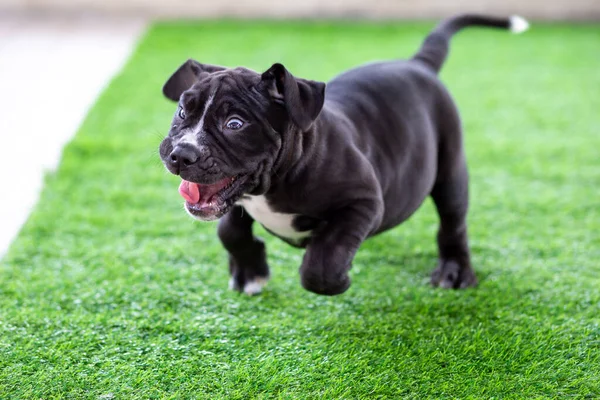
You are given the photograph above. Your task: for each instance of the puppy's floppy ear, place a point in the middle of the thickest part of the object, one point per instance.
(303, 98)
(189, 73)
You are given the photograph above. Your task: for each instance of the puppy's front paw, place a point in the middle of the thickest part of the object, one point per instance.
(249, 277)
(250, 287)
(329, 285)
(451, 275)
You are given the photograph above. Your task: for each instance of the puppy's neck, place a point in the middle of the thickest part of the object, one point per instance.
(297, 150)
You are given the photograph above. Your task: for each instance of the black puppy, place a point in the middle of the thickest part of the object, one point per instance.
(324, 169)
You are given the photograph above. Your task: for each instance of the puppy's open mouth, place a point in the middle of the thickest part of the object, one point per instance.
(211, 201)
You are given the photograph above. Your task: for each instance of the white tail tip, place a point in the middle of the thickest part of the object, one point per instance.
(518, 24)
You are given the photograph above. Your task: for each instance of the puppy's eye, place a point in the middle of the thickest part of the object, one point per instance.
(181, 113)
(234, 124)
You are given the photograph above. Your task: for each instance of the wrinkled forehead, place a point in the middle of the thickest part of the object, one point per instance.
(230, 84)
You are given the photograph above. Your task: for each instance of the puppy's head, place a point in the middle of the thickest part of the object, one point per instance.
(231, 129)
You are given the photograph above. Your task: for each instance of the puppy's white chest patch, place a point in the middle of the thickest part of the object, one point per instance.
(278, 223)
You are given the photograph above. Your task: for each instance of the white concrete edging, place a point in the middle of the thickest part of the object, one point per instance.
(51, 72)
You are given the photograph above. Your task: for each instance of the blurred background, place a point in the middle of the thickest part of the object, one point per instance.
(403, 9)
(62, 53)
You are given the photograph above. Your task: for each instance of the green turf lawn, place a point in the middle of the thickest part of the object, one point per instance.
(112, 291)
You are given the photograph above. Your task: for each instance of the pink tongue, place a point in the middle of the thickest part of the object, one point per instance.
(190, 191)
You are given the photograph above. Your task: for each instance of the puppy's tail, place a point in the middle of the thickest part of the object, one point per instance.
(434, 50)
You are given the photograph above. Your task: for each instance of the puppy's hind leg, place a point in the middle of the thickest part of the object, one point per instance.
(451, 197)
(247, 256)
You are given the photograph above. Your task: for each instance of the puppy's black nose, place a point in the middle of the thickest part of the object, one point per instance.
(183, 156)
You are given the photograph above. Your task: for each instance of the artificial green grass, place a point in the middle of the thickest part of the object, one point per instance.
(112, 291)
